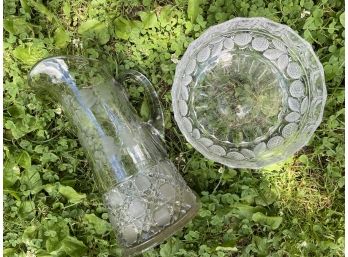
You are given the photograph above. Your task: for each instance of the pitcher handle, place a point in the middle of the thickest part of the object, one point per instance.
(156, 119)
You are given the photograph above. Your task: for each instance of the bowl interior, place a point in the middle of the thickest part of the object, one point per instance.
(239, 98)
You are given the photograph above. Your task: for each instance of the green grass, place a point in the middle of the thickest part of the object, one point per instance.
(52, 207)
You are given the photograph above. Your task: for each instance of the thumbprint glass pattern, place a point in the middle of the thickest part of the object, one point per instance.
(249, 92)
(150, 206)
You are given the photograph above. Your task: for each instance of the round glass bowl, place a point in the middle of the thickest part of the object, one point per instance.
(249, 92)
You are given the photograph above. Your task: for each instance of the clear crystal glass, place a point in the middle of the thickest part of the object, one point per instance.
(249, 92)
(146, 197)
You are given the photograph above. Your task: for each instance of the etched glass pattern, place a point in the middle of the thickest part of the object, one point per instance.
(147, 199)
(249, 92)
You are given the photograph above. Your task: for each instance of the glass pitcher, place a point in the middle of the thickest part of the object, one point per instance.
(146, 197)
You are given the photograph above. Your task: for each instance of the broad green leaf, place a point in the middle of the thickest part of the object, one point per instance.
(310, 24)
(9, 252)
(30, 53)
(16, 25)
(23, 159)
(10, 90)
(304, 159)
(88, 26)
(21, 126)
(29, 233)
(261, 244)
(266, 198)
(11, 174)
(272, 222)
(170, 248)
(193, 9)
(318, 12)
(57, 224)
(14, 194)
(27, 210)
(102, 33)
(61, 38)
(50, 233)
(48, 157)
(73, 247)
(342, 19)
(31, 179)
(40, 149)
(217, 220)
(26, 8)
(192, 236)
(308, 36)
(201, 22)
(165, 15)
(66, 8)
(53, 230)
(53, 245)
(332, 27)
(16, 110)
(99, 225)
(123, 28)
(149, 19)
(246, 211)
(248, 195)
(95, 28)
(266, 195)
(51, 189)
(70, 194)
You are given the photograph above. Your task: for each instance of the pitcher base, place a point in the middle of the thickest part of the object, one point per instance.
(164, 234)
